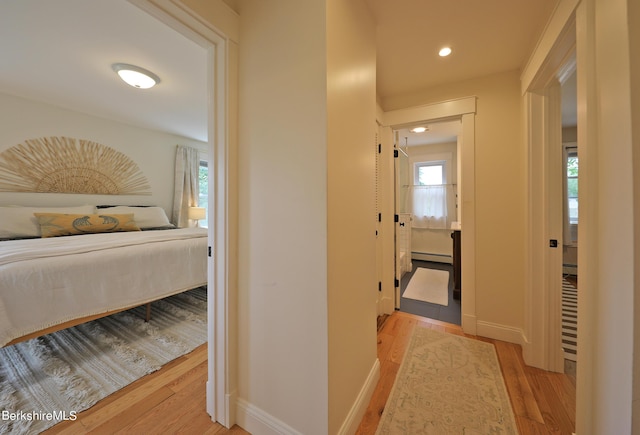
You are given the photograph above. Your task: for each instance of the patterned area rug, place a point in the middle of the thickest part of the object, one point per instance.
(51, 378)
(448, 384)
(569, 320)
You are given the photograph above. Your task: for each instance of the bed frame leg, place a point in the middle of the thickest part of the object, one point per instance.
(147, 317)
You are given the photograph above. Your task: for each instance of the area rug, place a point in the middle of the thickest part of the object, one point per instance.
(429, 285)
(448, 384)
(569, 320)
(53, 377)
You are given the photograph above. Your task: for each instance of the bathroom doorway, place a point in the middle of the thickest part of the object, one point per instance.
(427, 219)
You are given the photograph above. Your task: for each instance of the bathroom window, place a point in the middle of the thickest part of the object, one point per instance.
(431, 196)
(429, 173)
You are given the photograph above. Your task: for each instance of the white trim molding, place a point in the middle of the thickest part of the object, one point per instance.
(255, 420)
(501, 332)
(541, 92)
(222, 229)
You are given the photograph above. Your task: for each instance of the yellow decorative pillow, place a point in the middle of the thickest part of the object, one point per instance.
(58, 224)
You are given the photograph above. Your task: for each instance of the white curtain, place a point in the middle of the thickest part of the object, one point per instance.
(186, 186)
(433, 206)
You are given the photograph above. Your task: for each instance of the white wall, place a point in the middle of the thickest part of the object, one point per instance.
(153, 152)
(282, 319)
(608, 237)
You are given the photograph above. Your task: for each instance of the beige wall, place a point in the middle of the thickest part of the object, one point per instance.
(351, 145)
(306, 160)
(282, 314)
(634, 43)
(500, 190)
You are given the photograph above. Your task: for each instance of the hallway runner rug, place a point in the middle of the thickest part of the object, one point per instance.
(569, 320)
(429, 285)
(60, 374)
(448, 384)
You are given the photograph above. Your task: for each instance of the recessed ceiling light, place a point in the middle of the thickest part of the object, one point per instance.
(135, 76)
(419, 129)
(444, 51)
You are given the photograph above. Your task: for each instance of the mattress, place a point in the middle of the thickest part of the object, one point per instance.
(46, 282)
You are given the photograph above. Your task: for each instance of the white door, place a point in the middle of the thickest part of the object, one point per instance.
(402, 206)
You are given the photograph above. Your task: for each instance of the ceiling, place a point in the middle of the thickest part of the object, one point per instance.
(61, 52)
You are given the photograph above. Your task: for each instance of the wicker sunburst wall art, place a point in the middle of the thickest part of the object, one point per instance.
(68, 165)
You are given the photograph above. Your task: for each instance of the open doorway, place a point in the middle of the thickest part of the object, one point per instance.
(221, 126)
(463, 110)
(427, 219)
(570, 165)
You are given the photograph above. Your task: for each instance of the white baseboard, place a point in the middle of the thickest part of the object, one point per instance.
(470, 324)
(501, 332)
(229, 419)
(256, 421)
(351, 423)
(386, 305)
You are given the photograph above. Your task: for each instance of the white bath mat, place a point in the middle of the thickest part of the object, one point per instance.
(429, 285)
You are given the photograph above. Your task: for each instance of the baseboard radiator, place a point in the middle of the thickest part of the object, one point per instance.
(430, 256)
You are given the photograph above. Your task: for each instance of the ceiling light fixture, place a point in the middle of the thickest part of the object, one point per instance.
(135, 76)
(445, 51)
(419, 129)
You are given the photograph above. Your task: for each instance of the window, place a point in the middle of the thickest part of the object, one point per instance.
(430, 198)
(571, 195)
(572, 184)
(203, 197)
(429, 173)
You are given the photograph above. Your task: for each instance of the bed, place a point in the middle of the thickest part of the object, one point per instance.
(49, 283)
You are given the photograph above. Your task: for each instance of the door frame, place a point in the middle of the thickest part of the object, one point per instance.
(553, 60)
(222, 96)
(465, 110)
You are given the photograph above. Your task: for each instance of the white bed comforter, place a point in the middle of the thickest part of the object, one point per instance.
(45, 282)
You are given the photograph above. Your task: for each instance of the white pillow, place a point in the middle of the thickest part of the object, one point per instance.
(19, 222)
(145, 217)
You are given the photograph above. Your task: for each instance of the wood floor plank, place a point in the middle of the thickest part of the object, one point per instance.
(172, 413)
(402, 334)
(141, 393)
(522, 398)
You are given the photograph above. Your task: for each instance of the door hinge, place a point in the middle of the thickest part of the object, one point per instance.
(379, 286)
(397, 282)
(395, 153)
(209, 254)
(379, 148)
(379, 217)
(396, 218)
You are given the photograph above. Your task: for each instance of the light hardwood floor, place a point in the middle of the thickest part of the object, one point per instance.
(172, 400)
(543, 402)
(169, 401)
